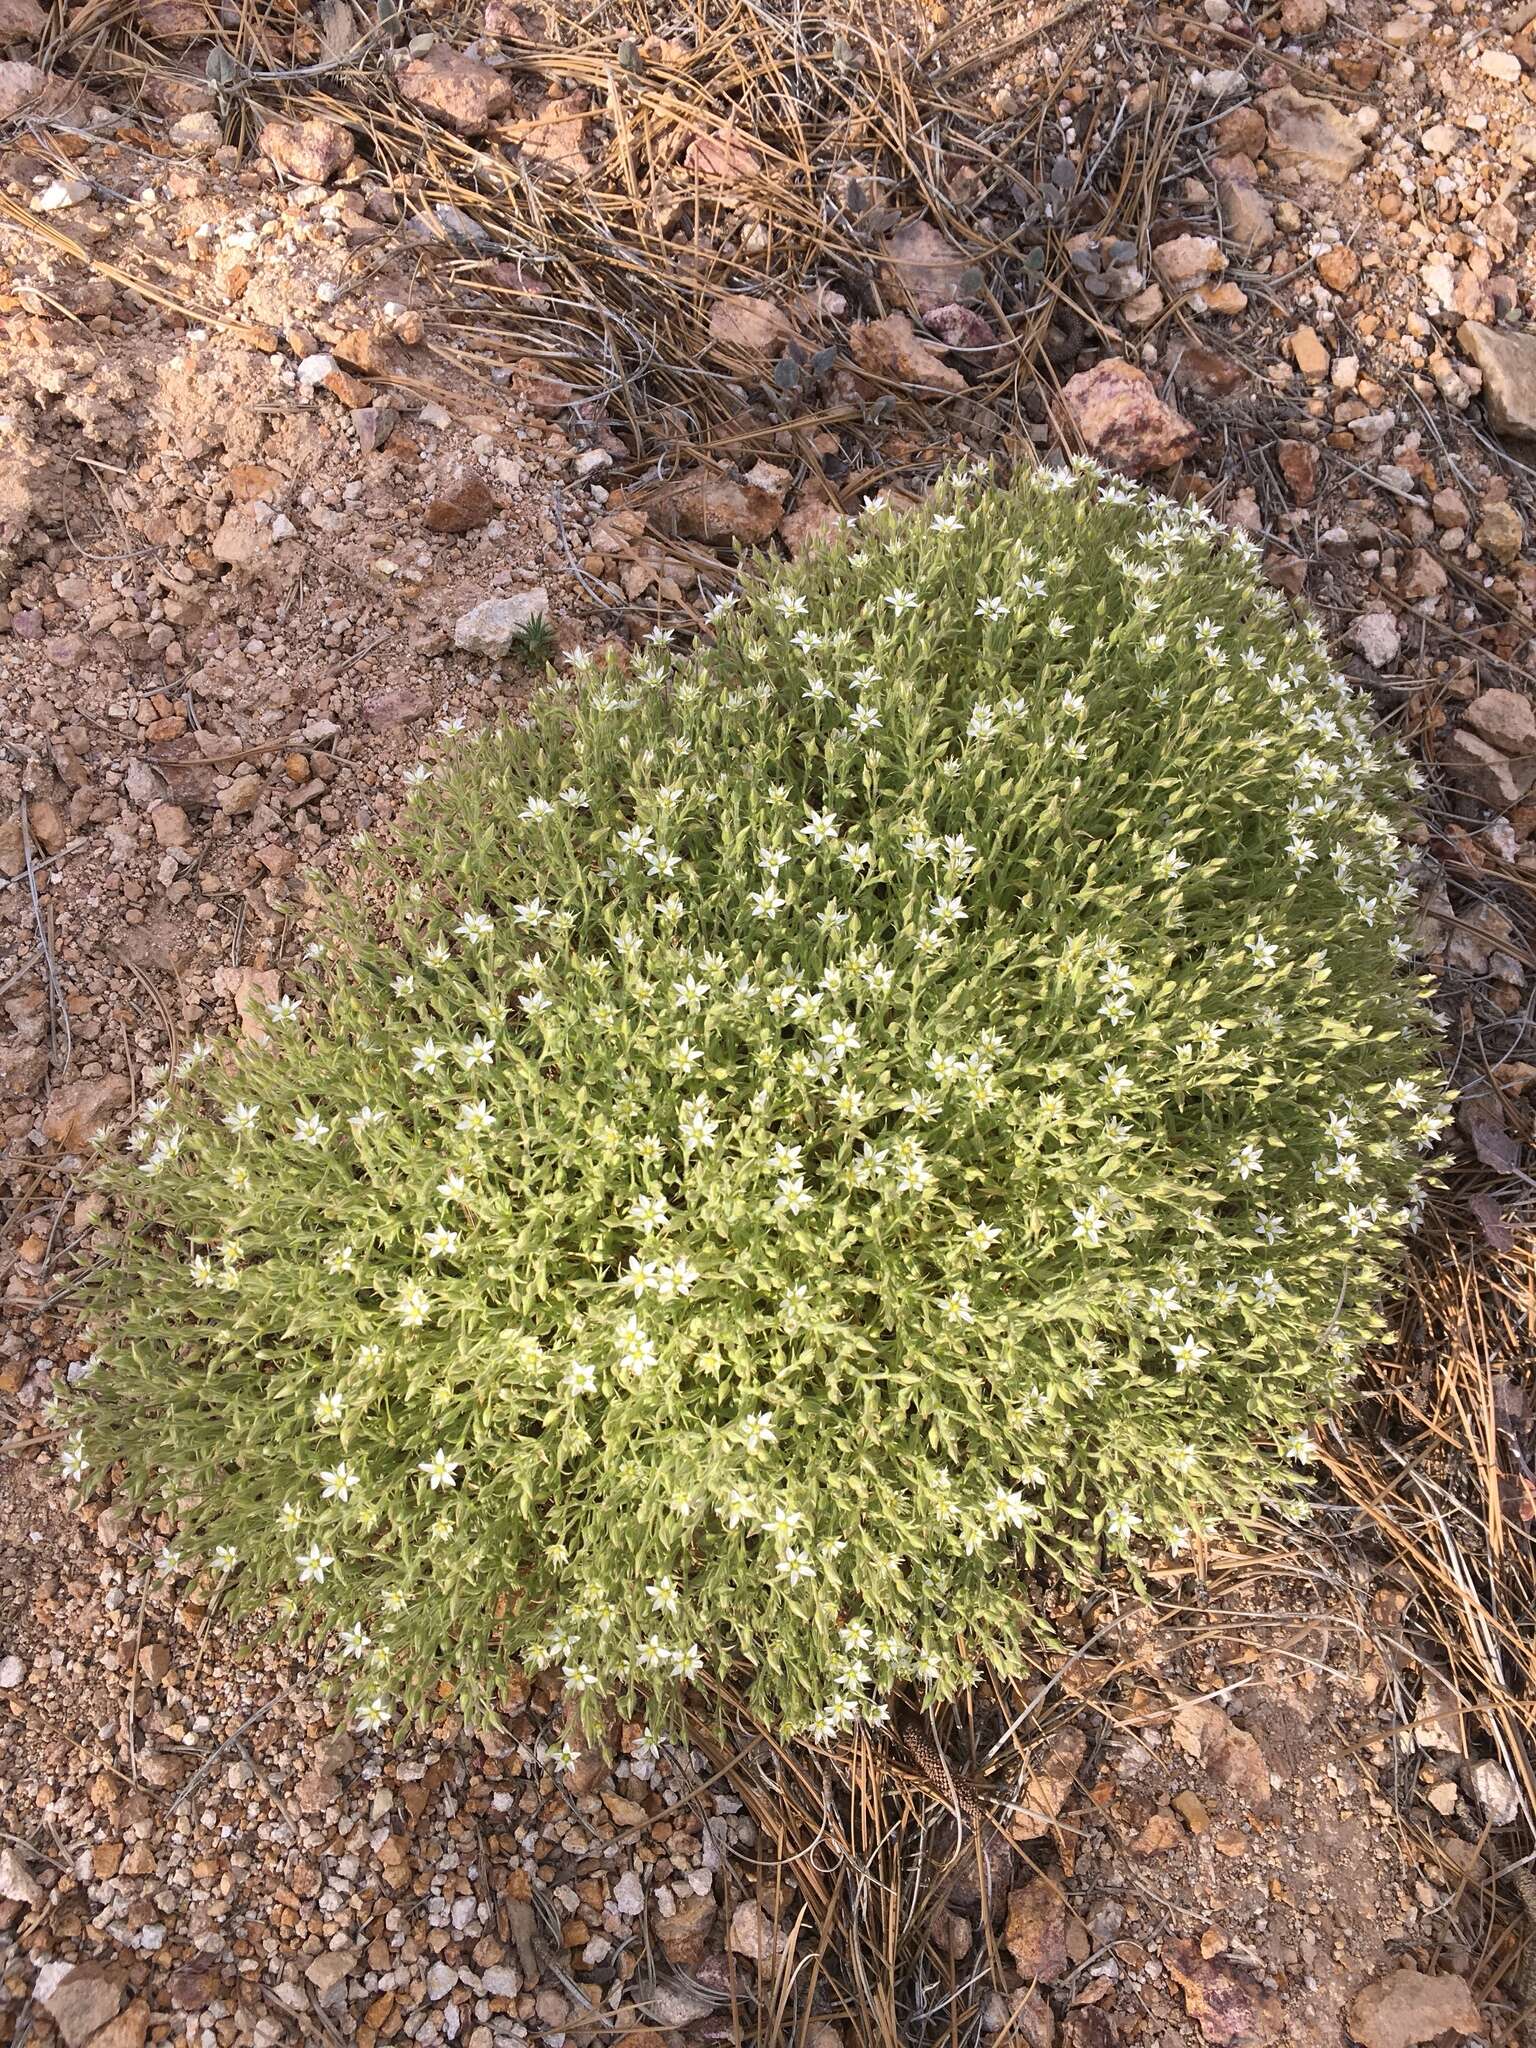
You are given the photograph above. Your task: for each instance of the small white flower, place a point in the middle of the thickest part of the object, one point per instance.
(1188, 1354)
(695, 1126)
(313, 1564)
(440, 1471)
(758, 1432)
(475, 1118)
(310, 1130)
(427, 1057)
(340, 1481)
(373, 1714)
(355, 1640)
(225, 1557)
(72, 1459)
(663, 1594)
(243, 1118)
(795, 1565)
(475, 927)
(412, 1305)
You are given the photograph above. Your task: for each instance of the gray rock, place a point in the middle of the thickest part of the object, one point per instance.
(16, 1881)
(490, 628)
(673, 2005)
(1375, 635)
(1508, 363)
(12, 1672)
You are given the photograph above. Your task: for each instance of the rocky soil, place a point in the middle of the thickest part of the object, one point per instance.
(270, 528)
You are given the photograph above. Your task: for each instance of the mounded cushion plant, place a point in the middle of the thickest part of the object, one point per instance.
(791, 1132)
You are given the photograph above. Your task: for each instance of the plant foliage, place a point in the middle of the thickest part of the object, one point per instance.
(788, 1132)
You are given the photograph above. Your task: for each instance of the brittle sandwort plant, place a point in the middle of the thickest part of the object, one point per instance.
(792, 1135)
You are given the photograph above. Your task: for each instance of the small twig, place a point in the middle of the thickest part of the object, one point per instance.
(58, 1010)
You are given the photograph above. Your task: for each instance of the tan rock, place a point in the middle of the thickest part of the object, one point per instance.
(80, 2000)
(724, 157)
(176, 23)
(1309, 354)
(155, 1663)
(1225, 297)
(1143, 307)
(1203, 1731)
(923, 267)
(21, 22)
(128, 2030)
(1246, 214)
(79, 1111)
(1485, 771)
(1207, 372)
(808, 524)
(195, 134)
(253, 991)
(704, 504)
(492, 627)
(1339, 268)
(1160, 1834)
(890, 349)
(16, 1881)
(1299, 463)
(755, 1936)
(463, 94)
(1508, 362)
(21, 85)
(311, 151)
(744, 324)
(1500, 530)
(1423, 579)
(555, 138)
(1506, 719)
(685, 1934)
(172, 826)
(1187, 262)
(1119, 417)
(1241, 131)
(1303, 17)
(240, 794)
(1405, 2008)
(1053, 1772)
(1311, 136)
(1035, 1932)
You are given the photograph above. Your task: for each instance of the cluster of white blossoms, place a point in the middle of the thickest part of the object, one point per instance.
(921, 1086)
